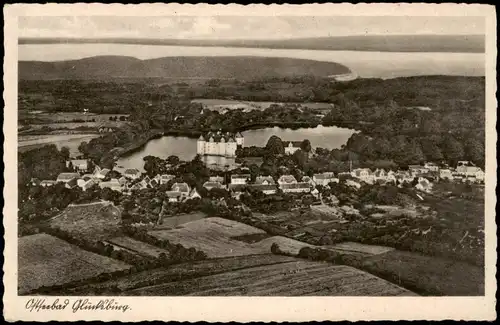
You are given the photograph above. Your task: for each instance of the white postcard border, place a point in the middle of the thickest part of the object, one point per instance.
(241, 308)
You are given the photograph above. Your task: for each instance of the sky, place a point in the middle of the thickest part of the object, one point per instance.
(243, 27)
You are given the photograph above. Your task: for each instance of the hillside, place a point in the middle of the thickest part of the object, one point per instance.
(384, 43)
(108, 67)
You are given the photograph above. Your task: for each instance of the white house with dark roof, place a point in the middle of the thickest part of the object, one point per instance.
(363, 174)
(210, 185)
(113, 184)
(291, 146)
(67, 177)
(182, 188)
(132, 173)
(80, 165)
(264, 180)
(219, 179)
(240, 178)
(325, 179)
(165, 178)
(295, 187)
(287, 179)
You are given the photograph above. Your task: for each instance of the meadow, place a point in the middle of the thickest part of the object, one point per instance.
(92, 221)
(46, 261)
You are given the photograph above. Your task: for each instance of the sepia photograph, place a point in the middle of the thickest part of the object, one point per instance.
(249, 155)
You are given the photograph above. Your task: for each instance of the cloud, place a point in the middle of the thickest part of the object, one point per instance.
(243, 27)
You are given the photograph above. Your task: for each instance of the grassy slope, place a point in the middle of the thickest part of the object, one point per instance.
(45, 260)
(427, 275)
(105, 67)
(389, 43)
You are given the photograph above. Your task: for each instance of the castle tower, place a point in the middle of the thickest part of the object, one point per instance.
(222, 147)
(200, 145)
(239, 139)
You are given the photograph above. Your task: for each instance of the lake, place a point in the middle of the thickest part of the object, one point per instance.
(363, 64)
(185, 148)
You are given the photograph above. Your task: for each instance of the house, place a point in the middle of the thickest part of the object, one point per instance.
(351, 183)
(423, 185)
(445, 174)
(144, 184)
(164, 179)
(154, 183)
(78, 165)
(325, 179)
(379, 174)
(183, 188)
(291, 146)
(295, 187)
(113, 184)
(218, 179)
(47, 183)
(237, 189)
(287, 179)
(417, 169)
(265, 188)
(315, 192)
(67, 177)
(240, 178)
(431, 166)
(101, 173)
(157, 178)
(132, 173)
(210, 185)
(363, 174)
(194, 194)
(71, 183)
(468, 171)
(86, 184)
(264, 180)
(174, 196)
(390, 177)
(122, 180)
(309, 180)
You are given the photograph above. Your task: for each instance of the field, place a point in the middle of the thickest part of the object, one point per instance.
(427, 275)
(180, 272)
(294, 278)
(136, 247)
(360, 249)
(257, 275)
(45, 260)
(212, 236)
(218, 104)
(93, 221)
(178, 220)
(72, 141)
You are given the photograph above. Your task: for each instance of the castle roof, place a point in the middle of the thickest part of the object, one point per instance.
(219, 137)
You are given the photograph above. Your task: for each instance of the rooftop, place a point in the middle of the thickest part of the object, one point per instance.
(68, 176)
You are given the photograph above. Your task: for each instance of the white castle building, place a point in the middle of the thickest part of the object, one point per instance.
(219, 144)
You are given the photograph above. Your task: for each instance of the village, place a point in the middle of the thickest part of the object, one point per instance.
(126, 181)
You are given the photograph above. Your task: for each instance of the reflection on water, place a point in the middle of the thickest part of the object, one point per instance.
(185, 148)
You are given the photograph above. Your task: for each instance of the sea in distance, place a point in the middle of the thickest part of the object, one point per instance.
(362, 64)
